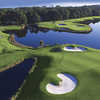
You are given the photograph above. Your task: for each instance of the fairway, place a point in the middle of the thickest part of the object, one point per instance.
(82, 65)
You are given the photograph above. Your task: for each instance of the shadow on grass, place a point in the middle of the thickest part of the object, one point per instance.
(31, 89)
(89, 85)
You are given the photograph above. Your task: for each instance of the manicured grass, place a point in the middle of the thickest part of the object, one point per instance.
(9, 54)
(10, 27)
(72, 25)
(85, 66)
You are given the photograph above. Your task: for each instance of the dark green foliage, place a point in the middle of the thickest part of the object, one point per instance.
(32, 15)
(41, 43)
(12, 17)
(54, 15)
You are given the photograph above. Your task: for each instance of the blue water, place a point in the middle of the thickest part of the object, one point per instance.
(91, 39)
(70, 47)
(12, 79)
(62, 24)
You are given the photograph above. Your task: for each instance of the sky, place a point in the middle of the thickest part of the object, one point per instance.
(29, 3)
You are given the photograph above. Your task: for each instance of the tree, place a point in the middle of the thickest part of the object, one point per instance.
(41, 43)
(32, 17)
(12, 17)
(54, 15)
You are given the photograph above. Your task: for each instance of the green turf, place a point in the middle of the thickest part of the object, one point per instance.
(9, 54)
(72, 25)
(10, 27)
(85, 66)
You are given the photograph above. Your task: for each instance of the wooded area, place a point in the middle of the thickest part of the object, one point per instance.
(31, 15)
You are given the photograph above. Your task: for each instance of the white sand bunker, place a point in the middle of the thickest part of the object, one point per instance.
(67, 84)
(73, 49)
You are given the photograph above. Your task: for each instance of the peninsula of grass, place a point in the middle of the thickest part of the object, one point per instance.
(84, 66)
(71, 25)
(9, 54)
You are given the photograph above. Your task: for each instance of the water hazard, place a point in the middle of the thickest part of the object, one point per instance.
(33, 36)
(13, 78)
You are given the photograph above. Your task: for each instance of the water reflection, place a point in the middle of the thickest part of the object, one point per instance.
(19, 33)
(32, 36)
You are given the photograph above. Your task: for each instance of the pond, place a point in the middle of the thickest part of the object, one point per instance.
(32, 37)
(61, 24)
(13, 78)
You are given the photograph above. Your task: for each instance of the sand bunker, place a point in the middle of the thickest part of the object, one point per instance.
(67, 84)
(73, 49)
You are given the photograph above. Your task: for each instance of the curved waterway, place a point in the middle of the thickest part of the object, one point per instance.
(13, 78)
(50, 37)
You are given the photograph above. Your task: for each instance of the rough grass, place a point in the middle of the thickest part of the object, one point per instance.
(72, 25)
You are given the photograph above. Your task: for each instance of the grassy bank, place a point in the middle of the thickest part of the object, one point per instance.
(10, 54)
(72, 25)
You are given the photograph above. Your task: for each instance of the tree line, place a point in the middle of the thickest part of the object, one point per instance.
(32, 15)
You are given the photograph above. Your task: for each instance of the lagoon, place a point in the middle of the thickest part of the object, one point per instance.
(12, 79)
(50, 37)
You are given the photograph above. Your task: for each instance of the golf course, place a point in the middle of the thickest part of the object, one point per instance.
(84, 65)
(71, 25)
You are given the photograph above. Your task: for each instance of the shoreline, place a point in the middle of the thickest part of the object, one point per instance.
(12, 40)
(30, 71)
(72, 25)
(68, 30)
(11, 66)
